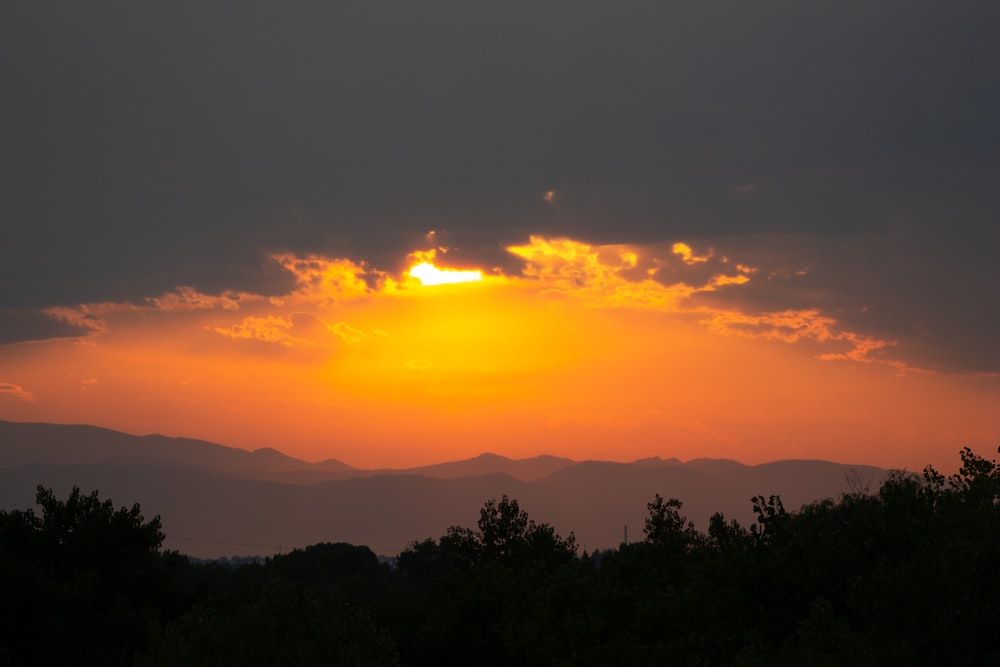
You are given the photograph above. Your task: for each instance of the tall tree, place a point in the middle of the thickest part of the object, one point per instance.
(85, 579)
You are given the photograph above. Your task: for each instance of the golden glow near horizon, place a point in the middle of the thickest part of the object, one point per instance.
(610, 352)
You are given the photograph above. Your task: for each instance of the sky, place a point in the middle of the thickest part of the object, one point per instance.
(719, 229)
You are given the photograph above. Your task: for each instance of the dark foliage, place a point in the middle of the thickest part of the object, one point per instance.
(82, 582)
(282, 624)
(909, 574)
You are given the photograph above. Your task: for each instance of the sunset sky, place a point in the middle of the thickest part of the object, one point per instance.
(725, 229)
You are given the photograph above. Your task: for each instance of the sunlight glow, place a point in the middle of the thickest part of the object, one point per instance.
(428, 274)
(659, 348)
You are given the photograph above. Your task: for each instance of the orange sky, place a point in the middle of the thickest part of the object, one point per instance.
(610, 352)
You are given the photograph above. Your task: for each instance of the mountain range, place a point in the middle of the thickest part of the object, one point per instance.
(215, 500)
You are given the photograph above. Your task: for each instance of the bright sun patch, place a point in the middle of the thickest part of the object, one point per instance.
(428, 274)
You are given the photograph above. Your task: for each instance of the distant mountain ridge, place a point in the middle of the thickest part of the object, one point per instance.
(26, 442)
(216, 500)
(536, 467)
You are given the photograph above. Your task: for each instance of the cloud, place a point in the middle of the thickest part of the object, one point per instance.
(605, 276)
(621, 275)
(83, 318)
(902, 287)
(268, 329)
(347, 333)
(92, 319)
(900, 129)
(187, 298)
(741, 291)
(687, 254)
(16, 391)
(25, 326)
(333, 279)
(790, 288)
(788, 326)
(299, 329)
(793, 326)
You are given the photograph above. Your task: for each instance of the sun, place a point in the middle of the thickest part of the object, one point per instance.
(428, 274)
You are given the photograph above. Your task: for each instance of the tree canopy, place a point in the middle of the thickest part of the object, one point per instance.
(85, 579)
(906, 574)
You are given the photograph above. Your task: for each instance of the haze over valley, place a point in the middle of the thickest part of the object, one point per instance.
(220, 501)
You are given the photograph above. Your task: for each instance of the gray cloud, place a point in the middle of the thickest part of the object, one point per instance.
(150, 146)
(930, 293)
(23, 326)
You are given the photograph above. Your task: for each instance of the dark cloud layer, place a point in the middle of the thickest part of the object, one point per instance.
(24, 326)
(150, 145)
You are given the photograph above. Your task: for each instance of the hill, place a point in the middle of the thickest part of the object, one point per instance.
(217, 500)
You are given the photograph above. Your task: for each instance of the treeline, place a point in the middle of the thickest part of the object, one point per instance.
(906, 574)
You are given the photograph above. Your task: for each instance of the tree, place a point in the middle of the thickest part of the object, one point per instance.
(84, 533)
(773, 521)
(507, 536)
(478, 587)
(665, 527)
(327, 564)
(285, 625)
(85, 578)
(724, 536)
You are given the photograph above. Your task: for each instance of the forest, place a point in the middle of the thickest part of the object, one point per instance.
(906, 573)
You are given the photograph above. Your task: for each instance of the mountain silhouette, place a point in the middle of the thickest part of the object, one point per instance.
(216, 500)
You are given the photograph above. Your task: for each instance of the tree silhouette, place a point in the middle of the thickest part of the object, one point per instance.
(908, 574)
(85, 578)
(665, 527)
(506, 536)
(284, 625)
